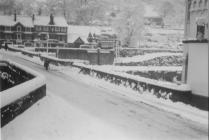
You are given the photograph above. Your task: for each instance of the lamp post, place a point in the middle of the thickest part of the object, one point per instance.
(47, 43)
(117, 50)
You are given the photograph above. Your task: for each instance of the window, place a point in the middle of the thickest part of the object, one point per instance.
(200, 32)
(57, 29)
(52, 29)
(19, 37)
(63, 38)
(38, 28)
(194, 4)
(46, 29)
(59, 38)
(19, 28)
(8, 37)
(7, 28)
(62, 29)
(28, 37)
(27, 29)
(206, 3)
(200, 3)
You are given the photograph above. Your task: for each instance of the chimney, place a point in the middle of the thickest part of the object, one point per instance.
(33, 17)
(15, 16)
(51, 22)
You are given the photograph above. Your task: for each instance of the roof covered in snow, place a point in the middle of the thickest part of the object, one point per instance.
(9, 21)
(44, 20)
(27, 21)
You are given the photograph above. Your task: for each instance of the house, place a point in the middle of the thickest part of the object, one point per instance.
(106, 41)
(21, 29)
(79, 35)
(195, 71)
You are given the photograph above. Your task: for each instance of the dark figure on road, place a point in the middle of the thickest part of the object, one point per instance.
(1, 45)
(46, 64)
(6, 46)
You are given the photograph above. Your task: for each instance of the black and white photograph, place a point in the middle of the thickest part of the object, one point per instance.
(104, 69)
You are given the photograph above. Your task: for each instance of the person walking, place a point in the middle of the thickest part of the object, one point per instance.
(46, 64)
(6, 46)
(0, 45)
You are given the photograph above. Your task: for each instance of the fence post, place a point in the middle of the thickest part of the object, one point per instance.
(98, 56)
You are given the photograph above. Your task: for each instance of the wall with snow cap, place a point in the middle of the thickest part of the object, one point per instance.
(17, 99)
(12, 94)
(103, 57)
(94, 56)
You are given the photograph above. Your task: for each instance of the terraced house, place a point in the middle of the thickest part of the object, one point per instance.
(20, 29)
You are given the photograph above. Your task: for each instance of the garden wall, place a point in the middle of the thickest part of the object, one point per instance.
(94, 56)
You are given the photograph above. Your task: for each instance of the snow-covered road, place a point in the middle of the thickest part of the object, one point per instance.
(131, 119)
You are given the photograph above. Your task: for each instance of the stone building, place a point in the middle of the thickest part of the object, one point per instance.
(195, 71)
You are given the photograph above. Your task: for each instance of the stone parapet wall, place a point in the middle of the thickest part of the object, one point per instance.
(23, 93)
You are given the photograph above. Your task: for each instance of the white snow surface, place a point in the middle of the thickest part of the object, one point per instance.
(150, 12)
(52, 118)
(141, 58)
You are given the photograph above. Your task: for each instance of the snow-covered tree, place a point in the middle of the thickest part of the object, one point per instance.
(88, 11)
(129, 24)
(166, 9)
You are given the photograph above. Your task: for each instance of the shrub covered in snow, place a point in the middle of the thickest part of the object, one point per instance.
(169, 76)
(159, 61)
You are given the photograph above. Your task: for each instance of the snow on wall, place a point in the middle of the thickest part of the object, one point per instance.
(10, 95)
(136, 68)
(61, 60)
(29, 52)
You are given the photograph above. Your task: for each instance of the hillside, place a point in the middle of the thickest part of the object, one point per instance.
(174, 10)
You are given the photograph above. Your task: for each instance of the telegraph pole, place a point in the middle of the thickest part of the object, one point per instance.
(117, 50)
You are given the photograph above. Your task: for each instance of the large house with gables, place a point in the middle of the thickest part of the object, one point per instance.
(20, 29)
